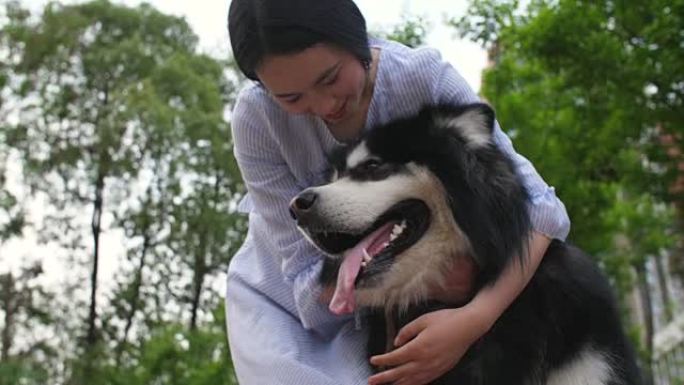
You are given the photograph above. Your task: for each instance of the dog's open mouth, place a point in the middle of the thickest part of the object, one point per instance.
(372, 252)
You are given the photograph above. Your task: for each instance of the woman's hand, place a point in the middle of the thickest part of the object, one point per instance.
(432, 344)
(429, 346)
(438, 340)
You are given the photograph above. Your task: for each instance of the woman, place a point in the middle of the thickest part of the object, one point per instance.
(319, 81)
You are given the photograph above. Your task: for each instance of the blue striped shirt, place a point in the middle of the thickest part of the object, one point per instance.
(279, 332)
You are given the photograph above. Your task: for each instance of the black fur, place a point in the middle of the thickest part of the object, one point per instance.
(480, 182)
(567, 306)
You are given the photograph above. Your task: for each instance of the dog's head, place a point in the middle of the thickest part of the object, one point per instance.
(407, 200)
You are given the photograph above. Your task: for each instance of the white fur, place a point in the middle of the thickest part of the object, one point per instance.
(472, 126)
(353, 206)
(357, 156)
(589, 368)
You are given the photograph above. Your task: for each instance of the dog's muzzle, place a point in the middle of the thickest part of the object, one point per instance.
(301, 206)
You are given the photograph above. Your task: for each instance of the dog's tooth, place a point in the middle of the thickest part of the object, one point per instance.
(366, 256)
(385, 244)
(403, 224)
(393, 237)
(396, 230)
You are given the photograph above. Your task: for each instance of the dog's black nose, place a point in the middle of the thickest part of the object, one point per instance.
(302, 203)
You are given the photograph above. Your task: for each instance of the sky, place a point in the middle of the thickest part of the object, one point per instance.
(208, 20)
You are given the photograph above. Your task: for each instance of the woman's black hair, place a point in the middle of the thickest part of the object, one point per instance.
(259, 28)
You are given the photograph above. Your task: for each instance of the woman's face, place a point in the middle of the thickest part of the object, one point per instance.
(322, 80)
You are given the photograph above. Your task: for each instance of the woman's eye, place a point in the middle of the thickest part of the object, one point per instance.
(331, 80)
(292, 100)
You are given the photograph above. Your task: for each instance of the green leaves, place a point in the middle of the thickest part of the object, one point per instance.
(568, 84)
(590, 92)
(174, 355)
(119, 125)
(23, 303)
(485, 20)
(411, 31)
(12, 216)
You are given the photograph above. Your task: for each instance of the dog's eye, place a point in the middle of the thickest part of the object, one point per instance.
(369, 165)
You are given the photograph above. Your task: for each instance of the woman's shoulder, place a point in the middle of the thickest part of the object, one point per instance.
(253, 115)
(406, 67)
(252, 98)
(257, 118)
(254, 104)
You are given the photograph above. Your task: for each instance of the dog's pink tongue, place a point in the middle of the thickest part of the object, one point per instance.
(343, 299)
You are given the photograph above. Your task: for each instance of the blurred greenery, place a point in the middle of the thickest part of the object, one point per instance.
(115, 113)
(592, 93)
(118, 125)
(410, 31)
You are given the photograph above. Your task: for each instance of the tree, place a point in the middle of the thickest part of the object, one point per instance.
(12, 215)
(174, 355)
(411, 31)
(121, 118)
(587, 89)
(26, 352)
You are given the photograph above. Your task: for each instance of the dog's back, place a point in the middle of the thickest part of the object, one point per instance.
(563, 329)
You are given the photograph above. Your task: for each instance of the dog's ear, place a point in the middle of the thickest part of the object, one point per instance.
(473, 123)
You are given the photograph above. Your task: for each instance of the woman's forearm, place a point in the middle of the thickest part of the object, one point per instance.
(491, 301)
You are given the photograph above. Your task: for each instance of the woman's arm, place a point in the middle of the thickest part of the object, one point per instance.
(491, 301)
(432, 344)
(271, 184)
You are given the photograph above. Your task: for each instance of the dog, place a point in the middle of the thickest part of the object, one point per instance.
(410, 199)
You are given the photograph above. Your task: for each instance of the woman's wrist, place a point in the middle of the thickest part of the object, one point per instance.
(484, 315)
(492, 301)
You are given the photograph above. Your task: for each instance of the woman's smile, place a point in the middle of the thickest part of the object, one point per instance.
(338, 114)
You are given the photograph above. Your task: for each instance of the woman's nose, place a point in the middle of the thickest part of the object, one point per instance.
(322, 105)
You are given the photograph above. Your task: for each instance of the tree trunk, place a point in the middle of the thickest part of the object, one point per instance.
(7, 303)
(134, 300)
(663, 282)
(136, 289)
(674, 147)
(198, 280)
(201, 269)
(96, 227)
(677, 255)
(647, 308)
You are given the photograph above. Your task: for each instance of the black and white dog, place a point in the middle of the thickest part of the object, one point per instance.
(411, 198)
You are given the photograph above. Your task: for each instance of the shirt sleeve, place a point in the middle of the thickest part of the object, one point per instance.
(271, 185)
(547, 212)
